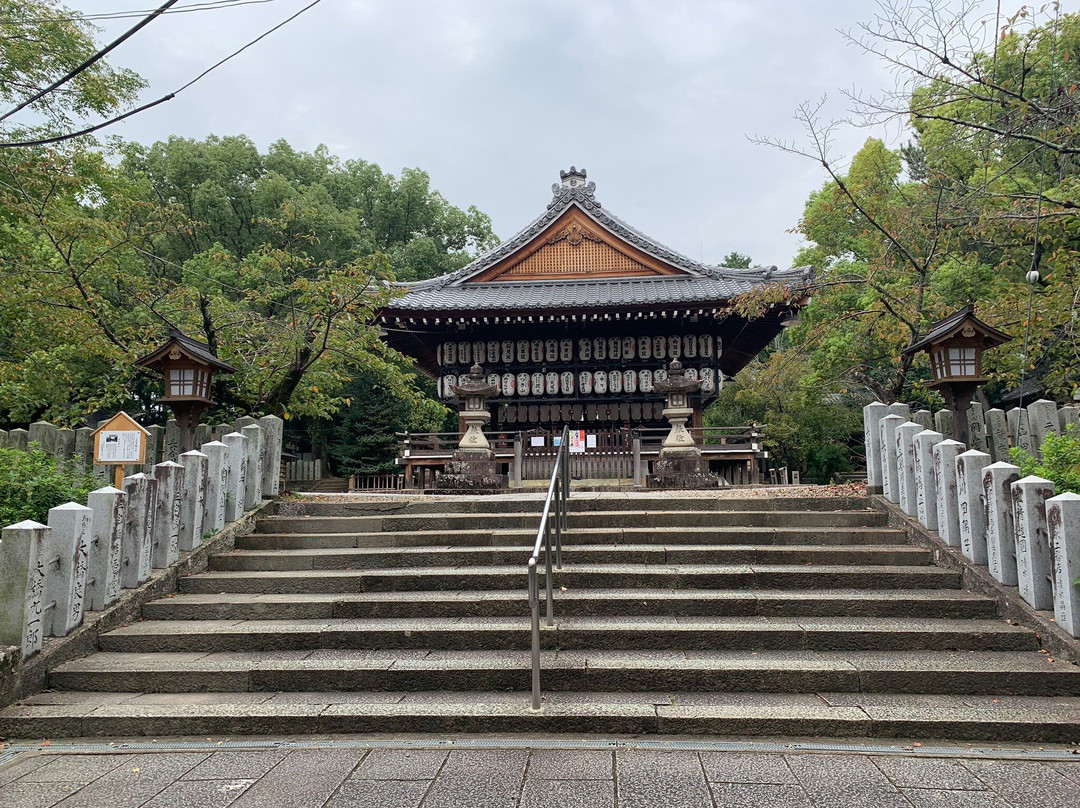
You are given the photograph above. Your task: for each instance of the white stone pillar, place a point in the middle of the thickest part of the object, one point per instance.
(977, 426)
(872, 415)
(1068, 416)
(943, 423)
(1000, 538)
(1033, 556)
(193, 502)
(903, 410)
(167, 505)
(925, 485)
(106, 547)
(217, 477)
(22, 585)
(890, 484)
(1022, 434)
(273, 431)
(1063, 523)
(997, 435)
(234, 502)
(969, 495)
(905, 465)
(138, 530)
(948, 511)
(924, 418)
(84, 450)
(253, 451)
(67, 554)
(1043, 421)
(65, 447)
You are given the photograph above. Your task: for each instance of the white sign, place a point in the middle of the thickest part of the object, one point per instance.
(536, 440)
(119, 447)
(577, 441)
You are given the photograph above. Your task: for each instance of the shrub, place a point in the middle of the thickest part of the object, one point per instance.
(1060, 461)
(30, 484)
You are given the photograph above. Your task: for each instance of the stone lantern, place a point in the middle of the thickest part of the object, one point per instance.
(473, 465)
(679, 465)
(955, 346)
(188, 368)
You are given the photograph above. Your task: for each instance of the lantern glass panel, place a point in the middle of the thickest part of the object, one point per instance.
(962, 361)
(181, 382)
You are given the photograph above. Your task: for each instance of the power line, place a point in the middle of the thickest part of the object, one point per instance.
(210, 5)
(101, 54)
(163, 99)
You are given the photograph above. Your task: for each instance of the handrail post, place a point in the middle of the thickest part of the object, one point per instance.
(558, 522)
(549, 575)
(534, 606)
(517, 458)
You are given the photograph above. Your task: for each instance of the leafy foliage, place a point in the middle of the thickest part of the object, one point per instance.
(1059, 463)
(30, 484)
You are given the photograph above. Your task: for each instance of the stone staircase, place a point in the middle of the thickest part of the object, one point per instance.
(676, 614)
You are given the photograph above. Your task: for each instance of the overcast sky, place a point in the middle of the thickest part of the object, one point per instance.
(655, 99)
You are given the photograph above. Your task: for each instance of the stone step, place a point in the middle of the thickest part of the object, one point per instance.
(622, 633)
(578, 576)
(576, 520)
(369, 558)
(579, 538)
(925, 672)
(845, 715)
(943, 603)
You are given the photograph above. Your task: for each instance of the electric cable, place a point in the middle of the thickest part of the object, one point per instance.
(210, 5)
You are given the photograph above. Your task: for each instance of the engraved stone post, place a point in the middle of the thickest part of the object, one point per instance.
(217, 478)
(273, 431)
(22, 585)
(138, 530)
(65, 447)
(997, 435)
(66, 558)
(221, 430)
(977, 426)
(1000, 539)
(1022, 434)
(172, 440)
(242, 421)
(948, 512)
(170, 488)
(872, 415)
(1033, 557)
(253, 451)
(106, 547)
(903, 410)
(84, 450)
(1068, 416)
(234, 501)
(943, 423)
(925, 485)
(969, 495)
(1043, 421)
(923, 418)
(889, 482)
(905, 458)
(1063, 522)
(3, 439)
(193, 501)
(155, 447)
(18, 439)
(202, 434)
(44, 435)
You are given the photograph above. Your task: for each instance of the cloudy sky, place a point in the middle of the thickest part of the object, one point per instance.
(656, 99)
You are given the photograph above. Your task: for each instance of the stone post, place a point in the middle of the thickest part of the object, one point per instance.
(253, 452)
(234, 500)
(1063, 523)
(1043, 421)
(903, 410)
(273, 432)
(1022, 435)
(172, 441)
(872, 415)
(905, 472)
(106, 547)
(997, 435)
(969, 495)
(1068, 416)
(948, 511)
(84, 450)
(193, 502)
(167, 505)
(202, 434)
(22, 585)
(242, 421)
(943, 423)
(65, 447)
(889, 472)
(3, 439)
(67, 555)
(1000, 539)
(155, 447)
(925, 486)
(1033, 556)
(977, 426)
(923, 418)
(18, 439)
(44, 435)
(217, 479)
(138, 530)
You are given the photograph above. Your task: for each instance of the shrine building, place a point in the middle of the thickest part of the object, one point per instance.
(578, 315)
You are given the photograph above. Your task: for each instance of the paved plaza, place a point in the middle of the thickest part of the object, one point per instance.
(473, 773)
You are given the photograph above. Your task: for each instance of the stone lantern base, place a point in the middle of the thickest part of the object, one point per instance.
(681, 468)
(471, 470)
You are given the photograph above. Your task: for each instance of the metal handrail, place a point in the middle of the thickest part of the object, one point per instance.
(559, 494)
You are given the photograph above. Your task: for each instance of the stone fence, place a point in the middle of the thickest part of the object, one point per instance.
(976, 501)
(50, 574)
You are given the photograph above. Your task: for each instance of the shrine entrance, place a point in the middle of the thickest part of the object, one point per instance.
(597, 454)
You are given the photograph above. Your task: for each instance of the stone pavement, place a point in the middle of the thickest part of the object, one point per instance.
(473, 773)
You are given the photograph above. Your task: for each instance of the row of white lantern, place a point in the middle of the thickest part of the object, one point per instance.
(600, 382)
(589, 349)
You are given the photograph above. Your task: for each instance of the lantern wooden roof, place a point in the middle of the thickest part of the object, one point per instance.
(180, 346)
(964, 325)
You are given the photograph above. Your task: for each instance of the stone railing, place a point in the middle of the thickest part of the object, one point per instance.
(50, 574)
(977, 502)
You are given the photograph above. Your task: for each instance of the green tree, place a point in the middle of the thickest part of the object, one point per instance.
(735, 260)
